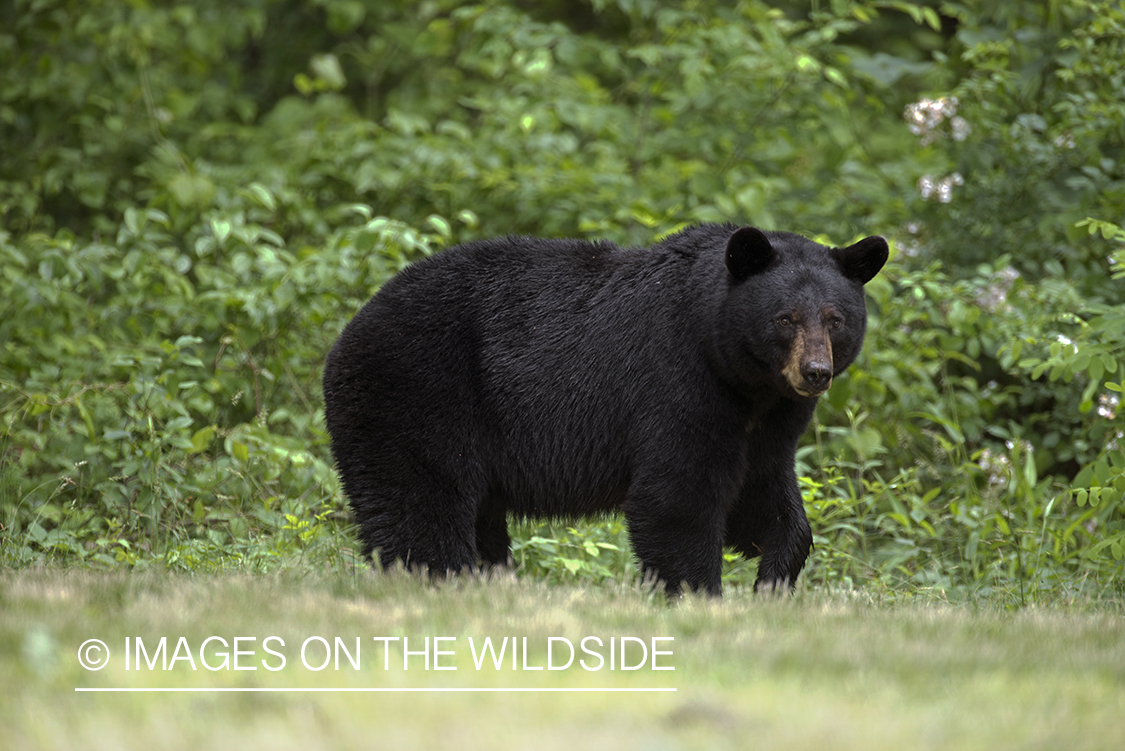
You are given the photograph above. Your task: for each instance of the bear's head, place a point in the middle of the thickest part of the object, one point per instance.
(797, 307)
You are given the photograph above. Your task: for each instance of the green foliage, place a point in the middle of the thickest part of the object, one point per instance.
(1039, 88)
(164, 396)
(595, 552)
(196, 198)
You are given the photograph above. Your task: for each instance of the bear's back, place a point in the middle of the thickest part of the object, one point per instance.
(515, 292)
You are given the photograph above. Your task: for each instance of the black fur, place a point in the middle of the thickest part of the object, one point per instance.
(561, 378)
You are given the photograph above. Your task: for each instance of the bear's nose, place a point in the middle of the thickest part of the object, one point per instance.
(817, 375)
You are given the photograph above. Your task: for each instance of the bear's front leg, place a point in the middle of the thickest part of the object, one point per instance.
(769, 519)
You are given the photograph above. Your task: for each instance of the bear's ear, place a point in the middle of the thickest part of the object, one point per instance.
(748, 252)
(862, 261)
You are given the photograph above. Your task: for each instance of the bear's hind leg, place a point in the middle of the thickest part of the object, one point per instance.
(494, 545)
(423, 526)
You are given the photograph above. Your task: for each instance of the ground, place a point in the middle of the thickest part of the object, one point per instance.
(818, 670)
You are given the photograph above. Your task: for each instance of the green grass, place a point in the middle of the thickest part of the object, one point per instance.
(818, 670)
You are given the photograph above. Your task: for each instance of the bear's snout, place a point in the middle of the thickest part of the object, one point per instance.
(809, 369)
(818, 375)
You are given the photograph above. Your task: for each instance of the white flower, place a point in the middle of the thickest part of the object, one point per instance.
(939, 188)
(1107, 405)
(924, 118)
(961, 128)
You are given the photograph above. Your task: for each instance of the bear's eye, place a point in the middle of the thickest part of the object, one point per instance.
(784, 320)
(835, 322)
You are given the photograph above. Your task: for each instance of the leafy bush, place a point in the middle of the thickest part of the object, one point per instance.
(158, 398)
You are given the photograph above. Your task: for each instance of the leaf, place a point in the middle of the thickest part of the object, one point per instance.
(87, 418)
(836, 77)
(187, 340)
(901, 519)
(178, 423)
(1102, 471)
(37, 532)
(572, 565)
(1030, 471)
(262, 195)
(932, 18)
(1095, 370)
(221, 229)
(806, 63)
(361, 209)
(440, 225)
(202, 439)
(327, 69)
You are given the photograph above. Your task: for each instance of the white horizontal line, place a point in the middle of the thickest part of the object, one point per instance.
(375, 690)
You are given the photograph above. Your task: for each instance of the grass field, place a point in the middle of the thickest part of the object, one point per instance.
(835, 671)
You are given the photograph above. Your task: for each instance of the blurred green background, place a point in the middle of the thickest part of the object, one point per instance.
(196, 197)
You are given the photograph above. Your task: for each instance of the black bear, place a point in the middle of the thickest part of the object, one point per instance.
(561, 378)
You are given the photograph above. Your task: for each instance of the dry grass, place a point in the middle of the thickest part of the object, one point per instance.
(815, 671)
